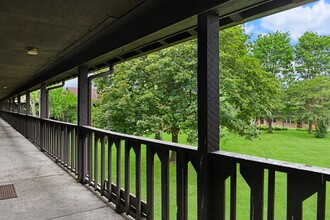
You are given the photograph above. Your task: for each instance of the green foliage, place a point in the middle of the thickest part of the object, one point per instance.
(34, 102)
(310, 98)
(147, 95)
(245, 88)
(276, 55)
(265, 128)
(63, 105)
(312, 55)
(322, 128)
(158, 92)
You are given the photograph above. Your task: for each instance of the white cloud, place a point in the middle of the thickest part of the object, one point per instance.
(315, 17)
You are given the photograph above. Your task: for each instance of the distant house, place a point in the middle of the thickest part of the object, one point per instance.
(74, 90)
(284, 122)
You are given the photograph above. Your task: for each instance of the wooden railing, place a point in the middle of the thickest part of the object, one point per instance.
(122, 168)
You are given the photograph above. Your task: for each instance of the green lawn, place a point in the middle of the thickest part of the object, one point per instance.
(294, 146)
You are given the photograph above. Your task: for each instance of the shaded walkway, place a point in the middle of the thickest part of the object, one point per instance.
(44, 190)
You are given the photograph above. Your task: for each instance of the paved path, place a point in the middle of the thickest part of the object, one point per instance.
(44, 190)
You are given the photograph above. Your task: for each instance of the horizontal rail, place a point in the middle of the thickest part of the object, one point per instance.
(142, 140)
(266, 163)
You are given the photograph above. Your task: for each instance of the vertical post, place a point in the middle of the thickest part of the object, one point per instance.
(43, 113)
(19, 104)
(27, 112)
(208, 110)
(13, 104)
(82, 120)
(43, 101)
(27, 97)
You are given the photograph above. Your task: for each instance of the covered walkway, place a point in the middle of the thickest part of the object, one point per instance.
(44, 190)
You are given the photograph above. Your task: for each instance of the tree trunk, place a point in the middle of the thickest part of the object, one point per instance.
(270, 125)
(310, 127)
(174, 140)
(158, 135)
(33, 109)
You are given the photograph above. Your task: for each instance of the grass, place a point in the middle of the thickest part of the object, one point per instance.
(294, 146)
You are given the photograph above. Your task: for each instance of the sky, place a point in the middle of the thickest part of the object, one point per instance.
(313, 17)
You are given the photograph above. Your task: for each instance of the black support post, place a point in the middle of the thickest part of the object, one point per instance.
(13, 104)
(43, 114)
(19, 104)
(27, 97)
(208, 110)
(82, 120)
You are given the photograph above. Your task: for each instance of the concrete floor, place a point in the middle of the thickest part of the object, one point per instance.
(44, 190)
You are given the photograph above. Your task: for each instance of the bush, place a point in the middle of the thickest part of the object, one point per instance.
(265, 128)
(280, 129)
(301, 129)
(321, 128)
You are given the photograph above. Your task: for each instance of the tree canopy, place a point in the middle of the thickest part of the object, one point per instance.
(157, 93)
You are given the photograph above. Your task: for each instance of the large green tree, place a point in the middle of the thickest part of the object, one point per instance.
(312, 55)
(245, 88)
(157, 93)
(310, 100)
(276, 56)
(312, 60)
(63, 105)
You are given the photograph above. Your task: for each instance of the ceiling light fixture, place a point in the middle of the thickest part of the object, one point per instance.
(4, 87)
(32, 51)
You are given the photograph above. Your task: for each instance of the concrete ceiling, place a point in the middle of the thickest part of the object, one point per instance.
(95, 32)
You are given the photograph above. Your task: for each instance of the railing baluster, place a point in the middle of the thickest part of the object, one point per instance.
(165, 183)
(233, 189)
(254, 176)
(66, 144)
(102, 164)
(150, 182)
(118, 173)
(110, 143)
(137, 150)
(271, 194)
(127, 177)
(72, 148)
(96, 160)
(89, 147)
(300, 187)
(321, 199)
(182, 186)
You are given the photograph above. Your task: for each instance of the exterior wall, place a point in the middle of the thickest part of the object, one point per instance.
(284, 123)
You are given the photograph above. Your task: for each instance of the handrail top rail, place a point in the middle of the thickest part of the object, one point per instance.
(42, 119)
(277, 165)
(143, 140)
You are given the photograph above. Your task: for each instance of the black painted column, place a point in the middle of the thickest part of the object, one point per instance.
(43, 113)
(208, 110)
(43, 101)
(27, 97)
(13, 104)
(19, 104)
(82, 120)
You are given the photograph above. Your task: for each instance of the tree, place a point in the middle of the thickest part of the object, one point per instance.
(158, 93)
(312, 60)
(153, 94)
(310, 99)
(245, 88)
(63, 105)
(34, 102)
(276, 56)
(312, 55)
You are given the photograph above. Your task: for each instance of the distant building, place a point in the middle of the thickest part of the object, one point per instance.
(284, 122)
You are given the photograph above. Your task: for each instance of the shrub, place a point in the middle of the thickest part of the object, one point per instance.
(321, 128)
